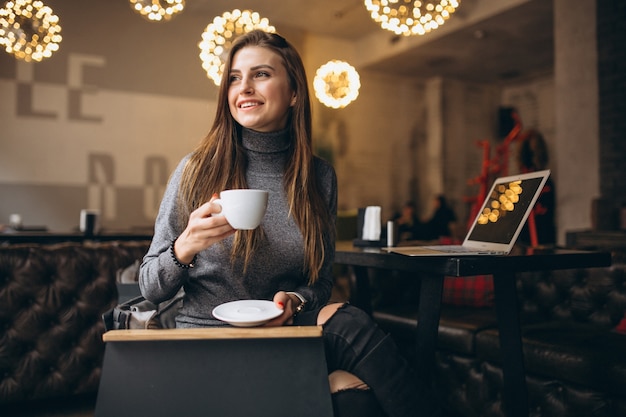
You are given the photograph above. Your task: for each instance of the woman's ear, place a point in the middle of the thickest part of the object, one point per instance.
(293, 99)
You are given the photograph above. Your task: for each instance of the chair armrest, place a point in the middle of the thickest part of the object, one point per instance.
(135, 335)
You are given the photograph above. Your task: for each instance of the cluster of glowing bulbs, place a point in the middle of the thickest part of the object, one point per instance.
(411, 17)
(219, 36)
(29, 30)
(336, 84)
(158, 10)
(503, 200)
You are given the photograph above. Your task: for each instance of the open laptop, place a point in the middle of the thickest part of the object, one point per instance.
(498, 223)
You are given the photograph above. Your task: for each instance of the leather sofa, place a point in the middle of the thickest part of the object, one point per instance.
(574, 343)
(52, 298)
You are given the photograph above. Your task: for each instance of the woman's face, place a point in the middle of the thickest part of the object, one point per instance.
(259, 93)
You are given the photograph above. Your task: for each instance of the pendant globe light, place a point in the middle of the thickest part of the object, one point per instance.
(29, 30)
(219, 35)
(411, 17)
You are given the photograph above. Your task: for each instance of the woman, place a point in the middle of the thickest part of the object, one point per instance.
(408, 222)
(261, 138)
(532, 155)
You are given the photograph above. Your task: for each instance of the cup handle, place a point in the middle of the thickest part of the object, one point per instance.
(218, 201)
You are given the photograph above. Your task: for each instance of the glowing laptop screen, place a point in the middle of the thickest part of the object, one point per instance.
(504, 210)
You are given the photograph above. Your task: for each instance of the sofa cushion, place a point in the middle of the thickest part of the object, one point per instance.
(579, 353)
(458, 326)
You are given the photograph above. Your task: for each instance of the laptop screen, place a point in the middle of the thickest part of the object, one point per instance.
(504, 210)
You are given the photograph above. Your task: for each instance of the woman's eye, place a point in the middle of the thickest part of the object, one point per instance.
(233, 78)
(262, 74)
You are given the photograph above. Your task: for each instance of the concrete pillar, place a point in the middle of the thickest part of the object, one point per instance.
(432, 172)
(576, 100)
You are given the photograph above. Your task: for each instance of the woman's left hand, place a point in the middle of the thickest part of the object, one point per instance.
(288, 304)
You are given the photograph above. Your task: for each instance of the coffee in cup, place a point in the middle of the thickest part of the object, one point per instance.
(243, 208)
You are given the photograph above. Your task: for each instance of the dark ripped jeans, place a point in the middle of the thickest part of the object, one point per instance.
(354, 343)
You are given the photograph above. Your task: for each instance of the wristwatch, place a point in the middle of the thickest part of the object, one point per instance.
(300, 307)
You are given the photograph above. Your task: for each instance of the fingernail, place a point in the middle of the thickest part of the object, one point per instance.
(281, 304)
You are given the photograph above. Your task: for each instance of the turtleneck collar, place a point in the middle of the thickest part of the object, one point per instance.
(265, 142)
(267, 153)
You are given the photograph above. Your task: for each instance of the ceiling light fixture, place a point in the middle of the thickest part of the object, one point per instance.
(336, 84)
(219, 35)
(29, 30)
(411, 17)
(158, 10)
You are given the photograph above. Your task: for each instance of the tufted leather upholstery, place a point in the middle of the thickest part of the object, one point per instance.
(575, 360)
(51, 301)
(477, 386)
(596, 296)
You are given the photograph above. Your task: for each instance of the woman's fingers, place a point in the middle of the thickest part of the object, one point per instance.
(203, 229)
(283, 302)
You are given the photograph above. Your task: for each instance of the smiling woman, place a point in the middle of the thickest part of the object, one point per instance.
(261, 138)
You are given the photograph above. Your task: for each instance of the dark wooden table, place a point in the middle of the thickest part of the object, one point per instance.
(431, 272)
(43, 237)
(222, 372)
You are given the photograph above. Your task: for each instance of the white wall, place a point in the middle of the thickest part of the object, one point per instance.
(101, 123)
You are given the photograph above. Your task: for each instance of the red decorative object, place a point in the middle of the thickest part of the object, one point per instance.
(497, 166)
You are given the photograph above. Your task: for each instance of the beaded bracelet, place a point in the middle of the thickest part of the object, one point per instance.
(179, 263)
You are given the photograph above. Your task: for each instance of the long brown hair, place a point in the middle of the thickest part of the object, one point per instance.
(219, 162)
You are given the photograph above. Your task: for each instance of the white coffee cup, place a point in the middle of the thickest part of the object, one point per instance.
(243, 208)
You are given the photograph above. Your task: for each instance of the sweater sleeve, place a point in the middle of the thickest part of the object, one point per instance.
(159, 277)
(319, 293)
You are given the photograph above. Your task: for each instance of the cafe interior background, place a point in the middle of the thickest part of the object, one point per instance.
(102, 122)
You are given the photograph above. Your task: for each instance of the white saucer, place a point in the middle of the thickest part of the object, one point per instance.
(247, 313)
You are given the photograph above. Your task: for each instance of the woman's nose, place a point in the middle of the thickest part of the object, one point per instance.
(246, 86)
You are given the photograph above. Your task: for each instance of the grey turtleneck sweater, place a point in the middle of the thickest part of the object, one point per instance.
(277, 265)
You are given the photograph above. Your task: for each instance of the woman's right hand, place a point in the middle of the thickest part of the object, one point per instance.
(203, 230)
